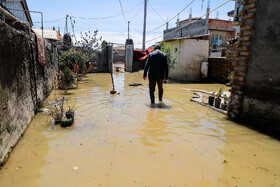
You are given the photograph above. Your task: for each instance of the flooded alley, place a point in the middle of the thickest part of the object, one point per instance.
(120, 140)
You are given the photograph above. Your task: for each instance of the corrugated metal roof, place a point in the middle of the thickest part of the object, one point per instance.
(49, 34)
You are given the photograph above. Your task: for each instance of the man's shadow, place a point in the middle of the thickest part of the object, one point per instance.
(160, 105)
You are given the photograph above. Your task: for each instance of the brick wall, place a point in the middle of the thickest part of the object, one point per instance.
(256, 79)
(220, 23)
(219, 69)
(242, 55)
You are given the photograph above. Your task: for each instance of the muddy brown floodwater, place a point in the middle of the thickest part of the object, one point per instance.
(119, 140)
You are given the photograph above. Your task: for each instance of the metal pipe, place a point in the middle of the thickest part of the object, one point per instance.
(42, 20)
(8, 13)
(3, 17)
(30, 11)
(128, 28)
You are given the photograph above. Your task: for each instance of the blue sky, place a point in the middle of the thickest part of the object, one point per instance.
(115, 29)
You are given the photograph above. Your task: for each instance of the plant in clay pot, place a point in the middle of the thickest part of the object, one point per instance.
(211, 99)
(224, 104)
(218, 97)
(57, 114)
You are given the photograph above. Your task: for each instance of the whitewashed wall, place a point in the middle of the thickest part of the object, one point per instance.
(188, 64)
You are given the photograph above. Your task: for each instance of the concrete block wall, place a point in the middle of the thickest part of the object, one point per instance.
(102, 60)
(195, 28)
(23, 84)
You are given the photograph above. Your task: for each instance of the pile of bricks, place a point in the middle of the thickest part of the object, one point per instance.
(242, 57)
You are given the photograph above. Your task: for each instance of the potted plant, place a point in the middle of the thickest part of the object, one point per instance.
(57, 111)
(211, 99)
(56, 114)
(218, 97)
(69, 114)
(224, 104)
(66, 122)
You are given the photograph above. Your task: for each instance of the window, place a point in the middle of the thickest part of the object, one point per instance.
(216, 39)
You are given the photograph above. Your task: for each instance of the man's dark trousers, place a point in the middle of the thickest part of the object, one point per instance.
(152, 86)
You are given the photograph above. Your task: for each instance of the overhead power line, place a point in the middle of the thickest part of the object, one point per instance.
(56, 20)
(187, 23)
(155, 10)
(51, 21)
(135, 15)
(107, 17)
(122, 10)
(174, 16)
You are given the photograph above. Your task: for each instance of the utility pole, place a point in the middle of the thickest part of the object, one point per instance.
(144, 29)
(128, 28)
(66, 24)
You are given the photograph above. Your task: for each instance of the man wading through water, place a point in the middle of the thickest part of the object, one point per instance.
(158, 72)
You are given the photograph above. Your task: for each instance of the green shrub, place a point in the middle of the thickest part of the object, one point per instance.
(67, 79)
(170, 53)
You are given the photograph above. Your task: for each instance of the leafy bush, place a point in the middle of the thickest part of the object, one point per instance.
(73, 56)
(171, 56)
(85, 50)
(67, 79)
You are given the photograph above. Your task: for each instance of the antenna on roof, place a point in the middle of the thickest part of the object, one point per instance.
(178, 20)
(218, 15)
(66, 24)
(202, 1)
(208, 4)
(190, 16)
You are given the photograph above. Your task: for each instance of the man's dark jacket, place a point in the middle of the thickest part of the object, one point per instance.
(157, 65)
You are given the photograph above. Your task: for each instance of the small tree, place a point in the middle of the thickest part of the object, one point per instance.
(90, 44)
(74, 56)
(67, 79)
(84, 51)
(170, 53)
